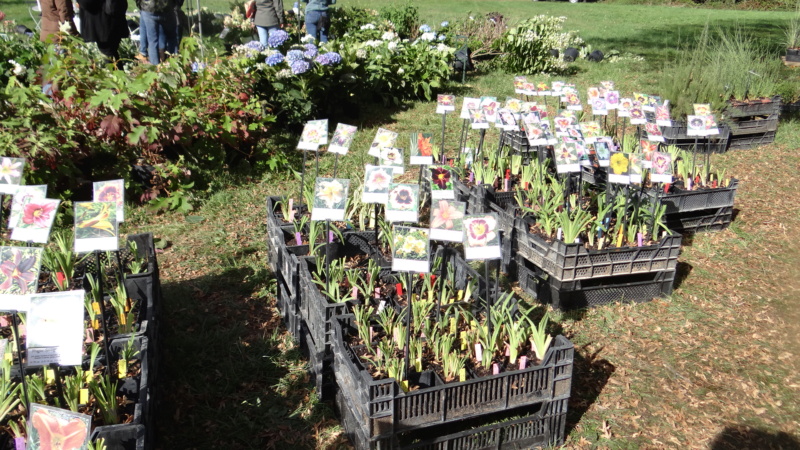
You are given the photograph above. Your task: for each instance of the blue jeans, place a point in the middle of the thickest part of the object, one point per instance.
(263, 33)
(142, 36)
(317, 25)
(161, 33)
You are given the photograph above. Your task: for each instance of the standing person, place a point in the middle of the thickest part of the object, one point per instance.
(158, 17)
(142, 56)
(54, 13)
(317, 18)
(103, 22)
(269, 16)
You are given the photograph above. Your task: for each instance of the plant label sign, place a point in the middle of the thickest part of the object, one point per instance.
(653, 132)
(508, 120)
(612, 99)
(55, 321)
(393, 157)
(111, 191)
(637, 115)
(95, 226)
(447, 221)
(403, 204)
(315, 133)
(23, 196)
(710, 125)
(481, 237)
(469, 103)
(648, 148)
(534, 131)
(662, 115)
(383, 139)
(695, 125)
(519, 84)
(19, 276)
(330, 197)
(602, 149)
(567, 159)
(35, 222)
(445, 103)
(11, 174)
(377, 180)
(514, 105)
(636, 167)
(442, 183)
(478, 119)
(489, 107)
(661, 171)
(619, 166)
(342, 139)
(421, 149)
(56, 428)
(411, 250)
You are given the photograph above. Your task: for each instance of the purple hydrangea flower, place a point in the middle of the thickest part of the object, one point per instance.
(198, 66)
(323, 60)
(277, 38)
(299, 66)
(311, 51)
(294, 55)
(274, 59)
(254, 45)
(425, 28)
(334, 57)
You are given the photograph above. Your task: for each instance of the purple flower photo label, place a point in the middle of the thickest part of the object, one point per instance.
(111, 191)
(35, 222)
(442, 183)
(662, 168)
(19, 276)
(445, 103)
(403, 203)
(481, 237)
(342, 139)
(567, 159)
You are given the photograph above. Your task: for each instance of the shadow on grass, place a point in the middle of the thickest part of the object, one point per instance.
(737, 437)
(590, 376)
(682, 272)
(231, 377)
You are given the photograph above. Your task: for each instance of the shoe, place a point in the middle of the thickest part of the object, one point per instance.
(142, 59)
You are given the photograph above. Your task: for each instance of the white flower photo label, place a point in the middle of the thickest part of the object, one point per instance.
(602, 149)
(55, 320)
(11, 170)
(111, 191)
(478, 119)
(24, 195)
(315, 133)
(411, 250)
(393, 157)
(421, 145)
(619, 168)
(507, 120)
(447, 220)
(661, 171)
(330, 198)
(383, 139)
(514, 105)
(567, 158)
(403, 204)
(442, 183)
(95, 226)
(19, 276)
(48, 425)
(489, 107)
(533, 129)
(445, 103)
(377, 181)
(481, 237)
(342, 139)
(34, 224)
(695, 126)
(469, 103)
(624, 108)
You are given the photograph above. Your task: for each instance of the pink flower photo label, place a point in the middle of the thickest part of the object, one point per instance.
(315, 133)
(24, 195)
(377, 181)
(447, 220)
(481, 237)
(19, 276)
(469, 103)
(35, 222)
(445, 103)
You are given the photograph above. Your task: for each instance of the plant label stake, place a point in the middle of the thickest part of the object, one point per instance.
(409, 312)
(15, 325)
(59, 383)
(444, 125)
(106, 336)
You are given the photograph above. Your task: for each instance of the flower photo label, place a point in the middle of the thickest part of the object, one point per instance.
(637, 115)
(342, 139)
(56, 428)
(507, 120)
(95, 226)
(330, 198)
(653, 132)
(636, 167)
(619, 168)
(624, 108)
(315, 133)
(478, 119)
(24, 195)
(602, 149)
(514, 105)
(393, 157)
(710, 125)
(377, 181)
(567, 158)
(55, 320)
(489, 106)
(19, 276)
(421, 145)
(11, 170)
(111, 191)
(612, 99)
(445, 103)
(403, 204)
(411, 250)
(701, 109)
(469, 103)
(383, 139)
(661, 171)
(447, 220)
(663, 118)
(533, 130)
(519, 84)
(695, 125)
(442, 183)
(34, 224)
(481, 237)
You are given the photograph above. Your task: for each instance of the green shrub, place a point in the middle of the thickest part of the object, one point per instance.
(525, 49)
(405, 19)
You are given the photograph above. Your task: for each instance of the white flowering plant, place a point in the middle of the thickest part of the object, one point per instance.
(525, 49)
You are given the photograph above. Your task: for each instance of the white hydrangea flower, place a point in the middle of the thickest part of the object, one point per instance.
(388, 36)
(428, 36)
(392, 45)
(361, 53)
(444, 48)
(283, 73)
(307, 39)
(19, 69)
(401, 71)
(368, 26)
(373, 43)
(65, 28)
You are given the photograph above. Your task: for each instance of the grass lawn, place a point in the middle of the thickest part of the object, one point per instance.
(715, 366)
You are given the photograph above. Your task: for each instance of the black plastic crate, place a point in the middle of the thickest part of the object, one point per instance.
(683, 201)
(569, 262)
(517, 141)
(385, 409)
(755, 108)
(589, 293)
(121, 437)
(320, 366)
(715, 219)
(288, 306)
(749, 141)
(543, 427)
(754, 125)
(677, 135)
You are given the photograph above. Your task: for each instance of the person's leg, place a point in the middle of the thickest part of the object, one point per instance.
(323, 26)
(263, 35)
(312, 19)
(142, 36)
(152, 26)
(170, 31)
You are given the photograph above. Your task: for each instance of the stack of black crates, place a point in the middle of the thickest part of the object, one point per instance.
(753, 123)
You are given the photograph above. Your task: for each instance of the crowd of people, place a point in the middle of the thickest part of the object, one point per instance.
(104, 22)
